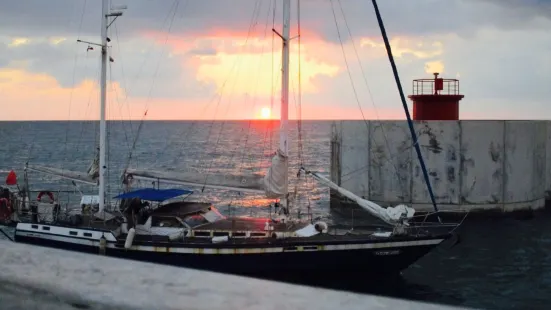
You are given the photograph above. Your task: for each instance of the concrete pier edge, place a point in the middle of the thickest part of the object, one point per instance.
(33, 277)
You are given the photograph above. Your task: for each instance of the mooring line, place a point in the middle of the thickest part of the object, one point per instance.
(6, 234)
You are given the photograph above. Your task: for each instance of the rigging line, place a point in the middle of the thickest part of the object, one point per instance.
(159, 62)
(6, 234)
(123, 121)
(403, 98)
(352, 82)
(147, 57)
(67, 130)
(92, 89)
(275, 76)
(110, 127)
(347, 66)
(256, 15)
(372, 100)
(358, 58)
(174, 7)
(89, 95)
(267, 143)
(125, 92)
(223, 88)
(273, 80)
(256, 11)
(297, 107)
(299, 123)
(186, 131)
(256, 86)
(83, 125)
(270, 128)
(252, 27)
(129, 157)
(148, 101)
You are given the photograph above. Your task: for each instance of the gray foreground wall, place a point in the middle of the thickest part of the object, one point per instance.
(473, 165)
(41, 278)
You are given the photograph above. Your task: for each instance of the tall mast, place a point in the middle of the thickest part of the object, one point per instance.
(278, 179)
(102, 125)
(105, 14)
(283, 134)
(404, 104)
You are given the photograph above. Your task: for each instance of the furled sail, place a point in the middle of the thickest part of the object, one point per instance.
(93, 170)
(391, 215)
(78, 176)
(274, 184)
(275, 181)
(246, 183)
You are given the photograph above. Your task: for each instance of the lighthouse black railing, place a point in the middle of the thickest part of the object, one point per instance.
(435, 87)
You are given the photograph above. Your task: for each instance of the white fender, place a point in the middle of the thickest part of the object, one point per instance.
(220, 239)
(321, 226)
(176, 236)
(130, 238)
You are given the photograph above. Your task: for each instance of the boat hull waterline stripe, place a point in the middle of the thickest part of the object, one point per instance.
(192, 250)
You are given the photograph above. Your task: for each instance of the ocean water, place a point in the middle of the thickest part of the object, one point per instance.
(499, 264)
(227, 147)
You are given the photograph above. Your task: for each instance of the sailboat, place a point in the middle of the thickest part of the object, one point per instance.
(154, 228)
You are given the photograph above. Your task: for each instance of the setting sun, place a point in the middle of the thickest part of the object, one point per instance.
(265, 113)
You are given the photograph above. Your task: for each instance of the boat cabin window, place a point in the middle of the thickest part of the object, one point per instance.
(205, 216)
(213, 215)
(168, 221)
(195, 219)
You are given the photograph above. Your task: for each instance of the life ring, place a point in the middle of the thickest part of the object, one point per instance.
(50, 194)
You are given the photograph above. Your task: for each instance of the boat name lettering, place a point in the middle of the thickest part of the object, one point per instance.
(390, 252)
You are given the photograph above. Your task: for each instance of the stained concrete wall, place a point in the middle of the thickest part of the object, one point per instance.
(503, 165)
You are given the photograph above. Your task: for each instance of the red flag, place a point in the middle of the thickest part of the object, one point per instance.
(11, 179)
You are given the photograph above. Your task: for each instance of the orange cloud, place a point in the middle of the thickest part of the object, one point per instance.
(402, 46)
(434, 66)
(18, 42)
(40, 97)
(252, 73)
(246, 64)
(212, 57)
(37, 96)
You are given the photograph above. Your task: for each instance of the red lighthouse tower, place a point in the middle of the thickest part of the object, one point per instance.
(435, 99)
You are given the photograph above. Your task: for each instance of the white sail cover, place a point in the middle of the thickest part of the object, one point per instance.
(275, 181)
(93, 170)
(390, 215)
(78, 176)
(246, 183)
(273, 184)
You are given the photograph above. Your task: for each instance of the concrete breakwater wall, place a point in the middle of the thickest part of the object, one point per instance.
(472, 165)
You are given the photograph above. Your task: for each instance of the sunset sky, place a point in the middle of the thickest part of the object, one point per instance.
(212, 59)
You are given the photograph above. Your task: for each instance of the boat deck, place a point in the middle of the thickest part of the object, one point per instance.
(180, 208)
(325, 238)
(249, 224)
(89, 223)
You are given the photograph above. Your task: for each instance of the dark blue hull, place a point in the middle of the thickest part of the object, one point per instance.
(390, 260)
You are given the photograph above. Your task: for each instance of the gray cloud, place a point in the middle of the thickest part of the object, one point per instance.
(63, 17)
(507, 57)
